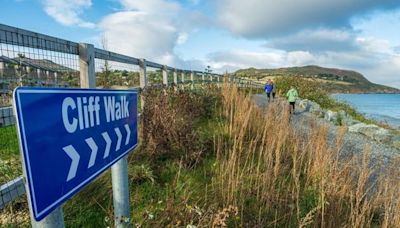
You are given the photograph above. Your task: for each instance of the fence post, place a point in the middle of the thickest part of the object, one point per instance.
(142, 73)
(142, 79)
(191, 80)
(211, 78)
(175, 73)
(202, 77)
(175, 77)
(183, 79)
(165, 75)
(86, 66)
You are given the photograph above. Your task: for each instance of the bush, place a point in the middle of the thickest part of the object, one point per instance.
(170, 119)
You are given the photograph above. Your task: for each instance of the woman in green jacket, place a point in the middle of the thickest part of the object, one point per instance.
(292, 96)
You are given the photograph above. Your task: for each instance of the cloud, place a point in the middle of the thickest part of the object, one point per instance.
(270, 18)
(385, 72)
(317, 40)
(151, 29)
(140, 34)
(67, 12)
(237, 59)
(300, 58)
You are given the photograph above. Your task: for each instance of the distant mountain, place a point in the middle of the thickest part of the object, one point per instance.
(334, 80)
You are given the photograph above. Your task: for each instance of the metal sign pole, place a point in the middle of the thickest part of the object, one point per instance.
(119, 171)
(120, 186)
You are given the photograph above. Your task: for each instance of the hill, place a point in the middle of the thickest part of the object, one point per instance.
(333, 80)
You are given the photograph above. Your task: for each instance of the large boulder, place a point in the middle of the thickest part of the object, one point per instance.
(370, 130)
(383, 136)
(303, 105)
(345, 119)
(331, 116)
(316, 109)
(396, 141)
(365, 129)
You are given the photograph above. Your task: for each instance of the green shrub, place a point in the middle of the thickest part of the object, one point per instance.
(170, 119)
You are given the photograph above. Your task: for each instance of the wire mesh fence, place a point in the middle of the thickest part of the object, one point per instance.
(154, 76)
(29, 59)
(112, 74)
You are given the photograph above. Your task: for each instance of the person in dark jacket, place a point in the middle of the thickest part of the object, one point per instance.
(269, 87)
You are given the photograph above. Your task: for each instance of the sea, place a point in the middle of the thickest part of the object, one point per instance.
(381, 107)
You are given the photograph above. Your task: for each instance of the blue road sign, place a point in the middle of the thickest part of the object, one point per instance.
(70, 136)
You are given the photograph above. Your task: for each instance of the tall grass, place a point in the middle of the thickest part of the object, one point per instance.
(278, 174)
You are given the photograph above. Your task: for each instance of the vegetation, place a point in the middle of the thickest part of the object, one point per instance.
(332, 80)
(208, 158)
(9, 154)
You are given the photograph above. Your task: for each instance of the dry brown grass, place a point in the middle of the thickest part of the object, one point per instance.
(278, 175)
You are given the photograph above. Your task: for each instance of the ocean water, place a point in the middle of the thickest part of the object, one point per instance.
(381, 107)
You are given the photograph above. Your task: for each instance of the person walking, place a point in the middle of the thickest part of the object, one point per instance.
(273, 90)
(292, 95)
(268, 89)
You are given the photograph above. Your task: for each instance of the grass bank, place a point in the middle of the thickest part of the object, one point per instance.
(212, 158)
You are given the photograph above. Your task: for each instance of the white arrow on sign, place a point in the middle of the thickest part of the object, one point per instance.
(70, 150)
(119, 135)
(108, 144)
(128, 136)
(74, 155)
(93, 153)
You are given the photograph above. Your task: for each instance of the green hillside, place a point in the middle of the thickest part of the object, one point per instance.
(334, 80)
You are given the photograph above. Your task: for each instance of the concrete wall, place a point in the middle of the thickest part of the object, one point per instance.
(7, 117)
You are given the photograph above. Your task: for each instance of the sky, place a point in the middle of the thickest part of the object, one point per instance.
(360, 35)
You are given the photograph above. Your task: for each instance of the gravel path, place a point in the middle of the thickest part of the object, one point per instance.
(353, 143)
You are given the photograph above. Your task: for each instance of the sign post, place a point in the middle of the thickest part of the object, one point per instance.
(68, 137)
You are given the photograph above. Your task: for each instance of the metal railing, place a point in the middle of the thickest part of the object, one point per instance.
(32, 59)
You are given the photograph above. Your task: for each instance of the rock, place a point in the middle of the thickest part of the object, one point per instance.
(304, 105)
(356, 127)
(396, 142)
(316, 109)
(331, 116)
(382, 135)
(370, 130)
(365, 129)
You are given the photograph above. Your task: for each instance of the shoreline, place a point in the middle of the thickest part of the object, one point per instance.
(371, 106)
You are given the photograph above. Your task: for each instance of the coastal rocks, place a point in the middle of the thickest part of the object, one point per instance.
(304, 105)
(365, 129)
(396, 142)
(341, 118)
(316, 109)
(382, 136)
(376, 133)
(331, 116)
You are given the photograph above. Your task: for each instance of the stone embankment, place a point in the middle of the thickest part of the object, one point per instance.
(371, 131)
(6, 117)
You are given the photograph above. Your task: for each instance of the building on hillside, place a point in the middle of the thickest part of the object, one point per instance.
(32, 72)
